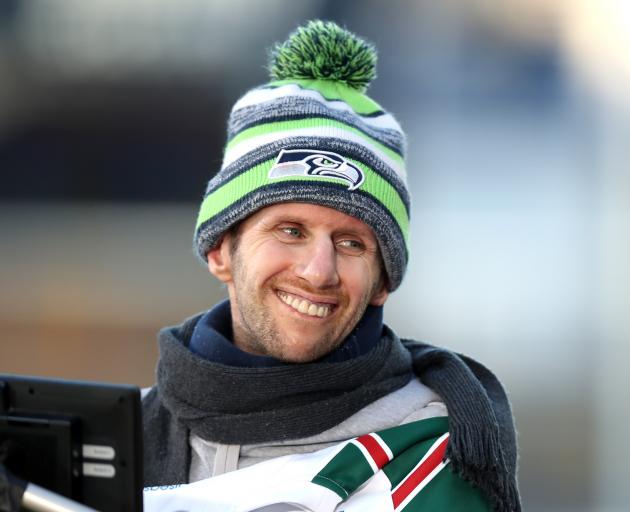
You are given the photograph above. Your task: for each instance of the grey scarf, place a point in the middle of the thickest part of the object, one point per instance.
(238, 405)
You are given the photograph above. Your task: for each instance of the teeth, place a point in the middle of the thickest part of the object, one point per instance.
(304, 306)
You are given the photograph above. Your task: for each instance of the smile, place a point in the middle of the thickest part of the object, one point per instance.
(304, 306)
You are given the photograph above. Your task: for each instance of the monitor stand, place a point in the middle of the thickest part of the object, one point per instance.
(38, 499)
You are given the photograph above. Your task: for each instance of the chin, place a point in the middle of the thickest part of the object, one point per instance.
(304, 354)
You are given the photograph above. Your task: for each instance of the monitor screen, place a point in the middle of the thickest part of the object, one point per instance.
(79, 439)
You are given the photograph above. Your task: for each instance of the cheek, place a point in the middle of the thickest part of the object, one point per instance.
(268, 260)
(359, 278)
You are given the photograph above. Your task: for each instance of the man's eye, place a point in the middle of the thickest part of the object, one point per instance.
(351, 245)
(292, 232)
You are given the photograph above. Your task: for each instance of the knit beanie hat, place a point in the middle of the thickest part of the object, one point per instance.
(312, 135)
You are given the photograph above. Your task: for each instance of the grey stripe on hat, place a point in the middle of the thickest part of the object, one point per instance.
(290, 107)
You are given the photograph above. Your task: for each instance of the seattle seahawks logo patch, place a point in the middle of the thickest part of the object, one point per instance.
(316, 164)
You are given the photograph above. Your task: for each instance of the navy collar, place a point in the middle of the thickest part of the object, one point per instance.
(211, 339)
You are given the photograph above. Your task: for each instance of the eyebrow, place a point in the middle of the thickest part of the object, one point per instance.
(363, 231)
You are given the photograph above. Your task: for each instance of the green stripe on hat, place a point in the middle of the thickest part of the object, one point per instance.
(311, 122)
(332, 90)
(257, 177)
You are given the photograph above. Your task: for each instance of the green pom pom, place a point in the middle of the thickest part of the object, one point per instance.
(322, 50)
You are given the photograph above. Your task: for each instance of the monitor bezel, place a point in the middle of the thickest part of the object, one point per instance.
(107, 416)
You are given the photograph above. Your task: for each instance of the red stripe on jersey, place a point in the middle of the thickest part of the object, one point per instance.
(375, 450)
(416, 477)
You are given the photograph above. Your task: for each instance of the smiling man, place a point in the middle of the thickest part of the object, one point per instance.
(307, 223)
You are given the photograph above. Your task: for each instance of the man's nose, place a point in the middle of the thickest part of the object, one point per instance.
(318, 263)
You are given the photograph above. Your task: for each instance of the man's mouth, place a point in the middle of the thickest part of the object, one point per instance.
(305, 306)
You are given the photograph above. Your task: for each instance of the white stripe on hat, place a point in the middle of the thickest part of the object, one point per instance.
(257, 96)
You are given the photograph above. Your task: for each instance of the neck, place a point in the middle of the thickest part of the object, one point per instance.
(212, 339)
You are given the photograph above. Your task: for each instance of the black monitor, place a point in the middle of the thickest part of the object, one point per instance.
(79, 439)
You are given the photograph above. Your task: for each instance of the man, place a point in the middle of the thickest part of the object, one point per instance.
(306, 223)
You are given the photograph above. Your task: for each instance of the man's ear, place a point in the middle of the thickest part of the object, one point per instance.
(380, 294)
(220, 260)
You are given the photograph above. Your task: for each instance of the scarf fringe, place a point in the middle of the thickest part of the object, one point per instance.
(475, 457)
(482, 445)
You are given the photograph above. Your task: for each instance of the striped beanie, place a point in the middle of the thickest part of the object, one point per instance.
(312, 135)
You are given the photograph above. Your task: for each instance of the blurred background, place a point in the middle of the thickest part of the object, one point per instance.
(112, 119)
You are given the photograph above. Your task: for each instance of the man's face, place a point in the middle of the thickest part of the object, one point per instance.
(299, 277)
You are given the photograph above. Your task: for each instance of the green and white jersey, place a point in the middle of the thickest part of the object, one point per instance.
(398, 469)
